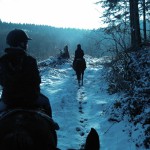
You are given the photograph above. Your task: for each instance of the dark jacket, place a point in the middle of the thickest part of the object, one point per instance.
(19, 77)
(79, 53)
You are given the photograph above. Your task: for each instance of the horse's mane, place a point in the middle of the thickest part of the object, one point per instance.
(24, 130)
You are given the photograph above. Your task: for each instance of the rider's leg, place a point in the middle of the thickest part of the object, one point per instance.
(3, 106)
(82, 75)
(44, 102)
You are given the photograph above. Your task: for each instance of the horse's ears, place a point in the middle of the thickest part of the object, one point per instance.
(92, 140)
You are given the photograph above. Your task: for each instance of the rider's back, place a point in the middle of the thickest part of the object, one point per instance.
(19, 77)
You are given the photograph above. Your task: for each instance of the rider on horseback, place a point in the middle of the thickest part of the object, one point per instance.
(79, 53)
(19, 75)
(79, 64)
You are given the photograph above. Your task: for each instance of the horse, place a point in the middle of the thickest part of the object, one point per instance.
(25, 129)
(79, 65)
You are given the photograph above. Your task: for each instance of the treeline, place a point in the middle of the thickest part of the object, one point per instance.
(48, 41)
(125, 17)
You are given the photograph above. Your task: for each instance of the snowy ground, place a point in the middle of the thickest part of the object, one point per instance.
(76, 109)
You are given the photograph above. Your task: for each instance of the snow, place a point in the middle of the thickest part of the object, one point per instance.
(77, 110)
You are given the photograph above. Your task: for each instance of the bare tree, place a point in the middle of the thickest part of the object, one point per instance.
(134, 24)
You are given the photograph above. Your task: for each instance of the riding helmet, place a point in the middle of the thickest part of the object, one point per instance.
(16, 36)
(79, 46)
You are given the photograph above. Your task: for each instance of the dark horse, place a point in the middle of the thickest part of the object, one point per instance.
(22, 129)
(79, 65)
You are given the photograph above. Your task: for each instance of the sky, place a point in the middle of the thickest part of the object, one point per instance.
(83, 14)
(77, 110)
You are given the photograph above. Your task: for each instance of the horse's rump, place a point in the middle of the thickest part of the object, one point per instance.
(27, 130)
(79, 64)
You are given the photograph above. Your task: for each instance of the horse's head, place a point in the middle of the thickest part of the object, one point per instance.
(23, 130)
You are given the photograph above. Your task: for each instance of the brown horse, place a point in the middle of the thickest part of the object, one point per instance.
(79, 65)
(22, 129)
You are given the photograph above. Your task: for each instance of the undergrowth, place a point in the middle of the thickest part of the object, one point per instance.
(129, 73)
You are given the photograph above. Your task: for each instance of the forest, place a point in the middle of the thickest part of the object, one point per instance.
(48, 41)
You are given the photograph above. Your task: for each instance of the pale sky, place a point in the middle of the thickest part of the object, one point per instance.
(82, 14)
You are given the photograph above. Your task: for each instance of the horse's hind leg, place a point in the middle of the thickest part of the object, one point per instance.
(82, 74)
(78, 78)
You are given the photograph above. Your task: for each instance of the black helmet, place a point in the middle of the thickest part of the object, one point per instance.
(16, 36)
(79, 46)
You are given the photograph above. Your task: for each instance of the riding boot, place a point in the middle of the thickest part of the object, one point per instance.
(44, 103)
(3, 106)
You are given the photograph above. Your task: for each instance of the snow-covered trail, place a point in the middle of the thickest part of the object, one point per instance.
(76, 109)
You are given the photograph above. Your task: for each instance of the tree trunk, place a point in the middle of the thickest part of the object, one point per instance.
(144, 22)
(135, 24)
(132, 23)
